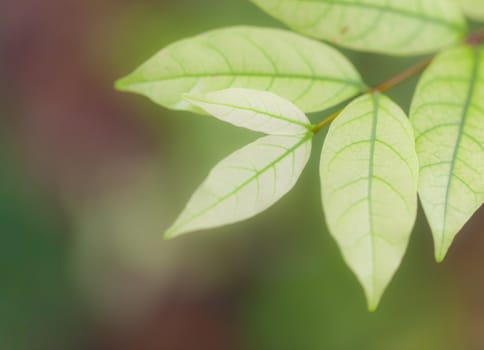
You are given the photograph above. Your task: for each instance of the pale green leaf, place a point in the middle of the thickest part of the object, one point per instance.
(369, 175)
(255, 110)
(245, 183)
(473, 8)
(448, 118)
(398, 27)
(310, 74)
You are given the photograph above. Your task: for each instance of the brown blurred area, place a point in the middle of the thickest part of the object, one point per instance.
(71, 129)
(68, 121)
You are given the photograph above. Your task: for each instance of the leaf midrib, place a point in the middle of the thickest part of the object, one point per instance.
(307, 126)
(375, 98)
(396, 11)
(465, 114)
(356, 83)
(241, 186)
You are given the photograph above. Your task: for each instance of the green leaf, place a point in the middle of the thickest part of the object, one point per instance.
(310, 74)
(398, 27)
(369, 175)
(255, 110)
(448, 118)
(245, 183)
(473, 8)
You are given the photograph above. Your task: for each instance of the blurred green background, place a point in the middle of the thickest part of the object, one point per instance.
(91, 177)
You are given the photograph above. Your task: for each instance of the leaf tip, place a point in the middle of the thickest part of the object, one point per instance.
(441, 250)
(130, 82)
(372, 302)
(174, 231)
(121, 84)
(169, 234)
(372, 308)
(374, 293)
(440, 255)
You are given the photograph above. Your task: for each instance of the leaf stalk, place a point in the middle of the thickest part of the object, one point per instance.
(473, 39)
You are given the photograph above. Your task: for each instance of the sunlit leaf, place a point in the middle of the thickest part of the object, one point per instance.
(399, 27)
(448, 117)
(369, 177)
(245, 183)
(311, 74)
(473, 8)
(255, 110)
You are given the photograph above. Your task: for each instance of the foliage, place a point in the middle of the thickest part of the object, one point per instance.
(374, 159)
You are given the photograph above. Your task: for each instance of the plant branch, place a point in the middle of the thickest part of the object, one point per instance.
(326, 121)
(402, 76)
(473, 39)
(386, 85)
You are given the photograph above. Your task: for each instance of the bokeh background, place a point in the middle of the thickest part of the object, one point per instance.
(90, 178)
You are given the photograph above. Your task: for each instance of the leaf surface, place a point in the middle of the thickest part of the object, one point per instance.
(260, 111)
(245, 183)
(473, 8)
(448, 118)
(369, 177)
(308, 73)
(398, 27)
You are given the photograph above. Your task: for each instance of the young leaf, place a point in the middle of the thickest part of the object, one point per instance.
(255, 110)
(245, 183)
(448, 117)
(311, 74)
(398, 27)
(473, 8)
(369, 177)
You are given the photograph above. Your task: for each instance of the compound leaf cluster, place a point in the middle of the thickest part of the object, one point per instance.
(375, 159)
